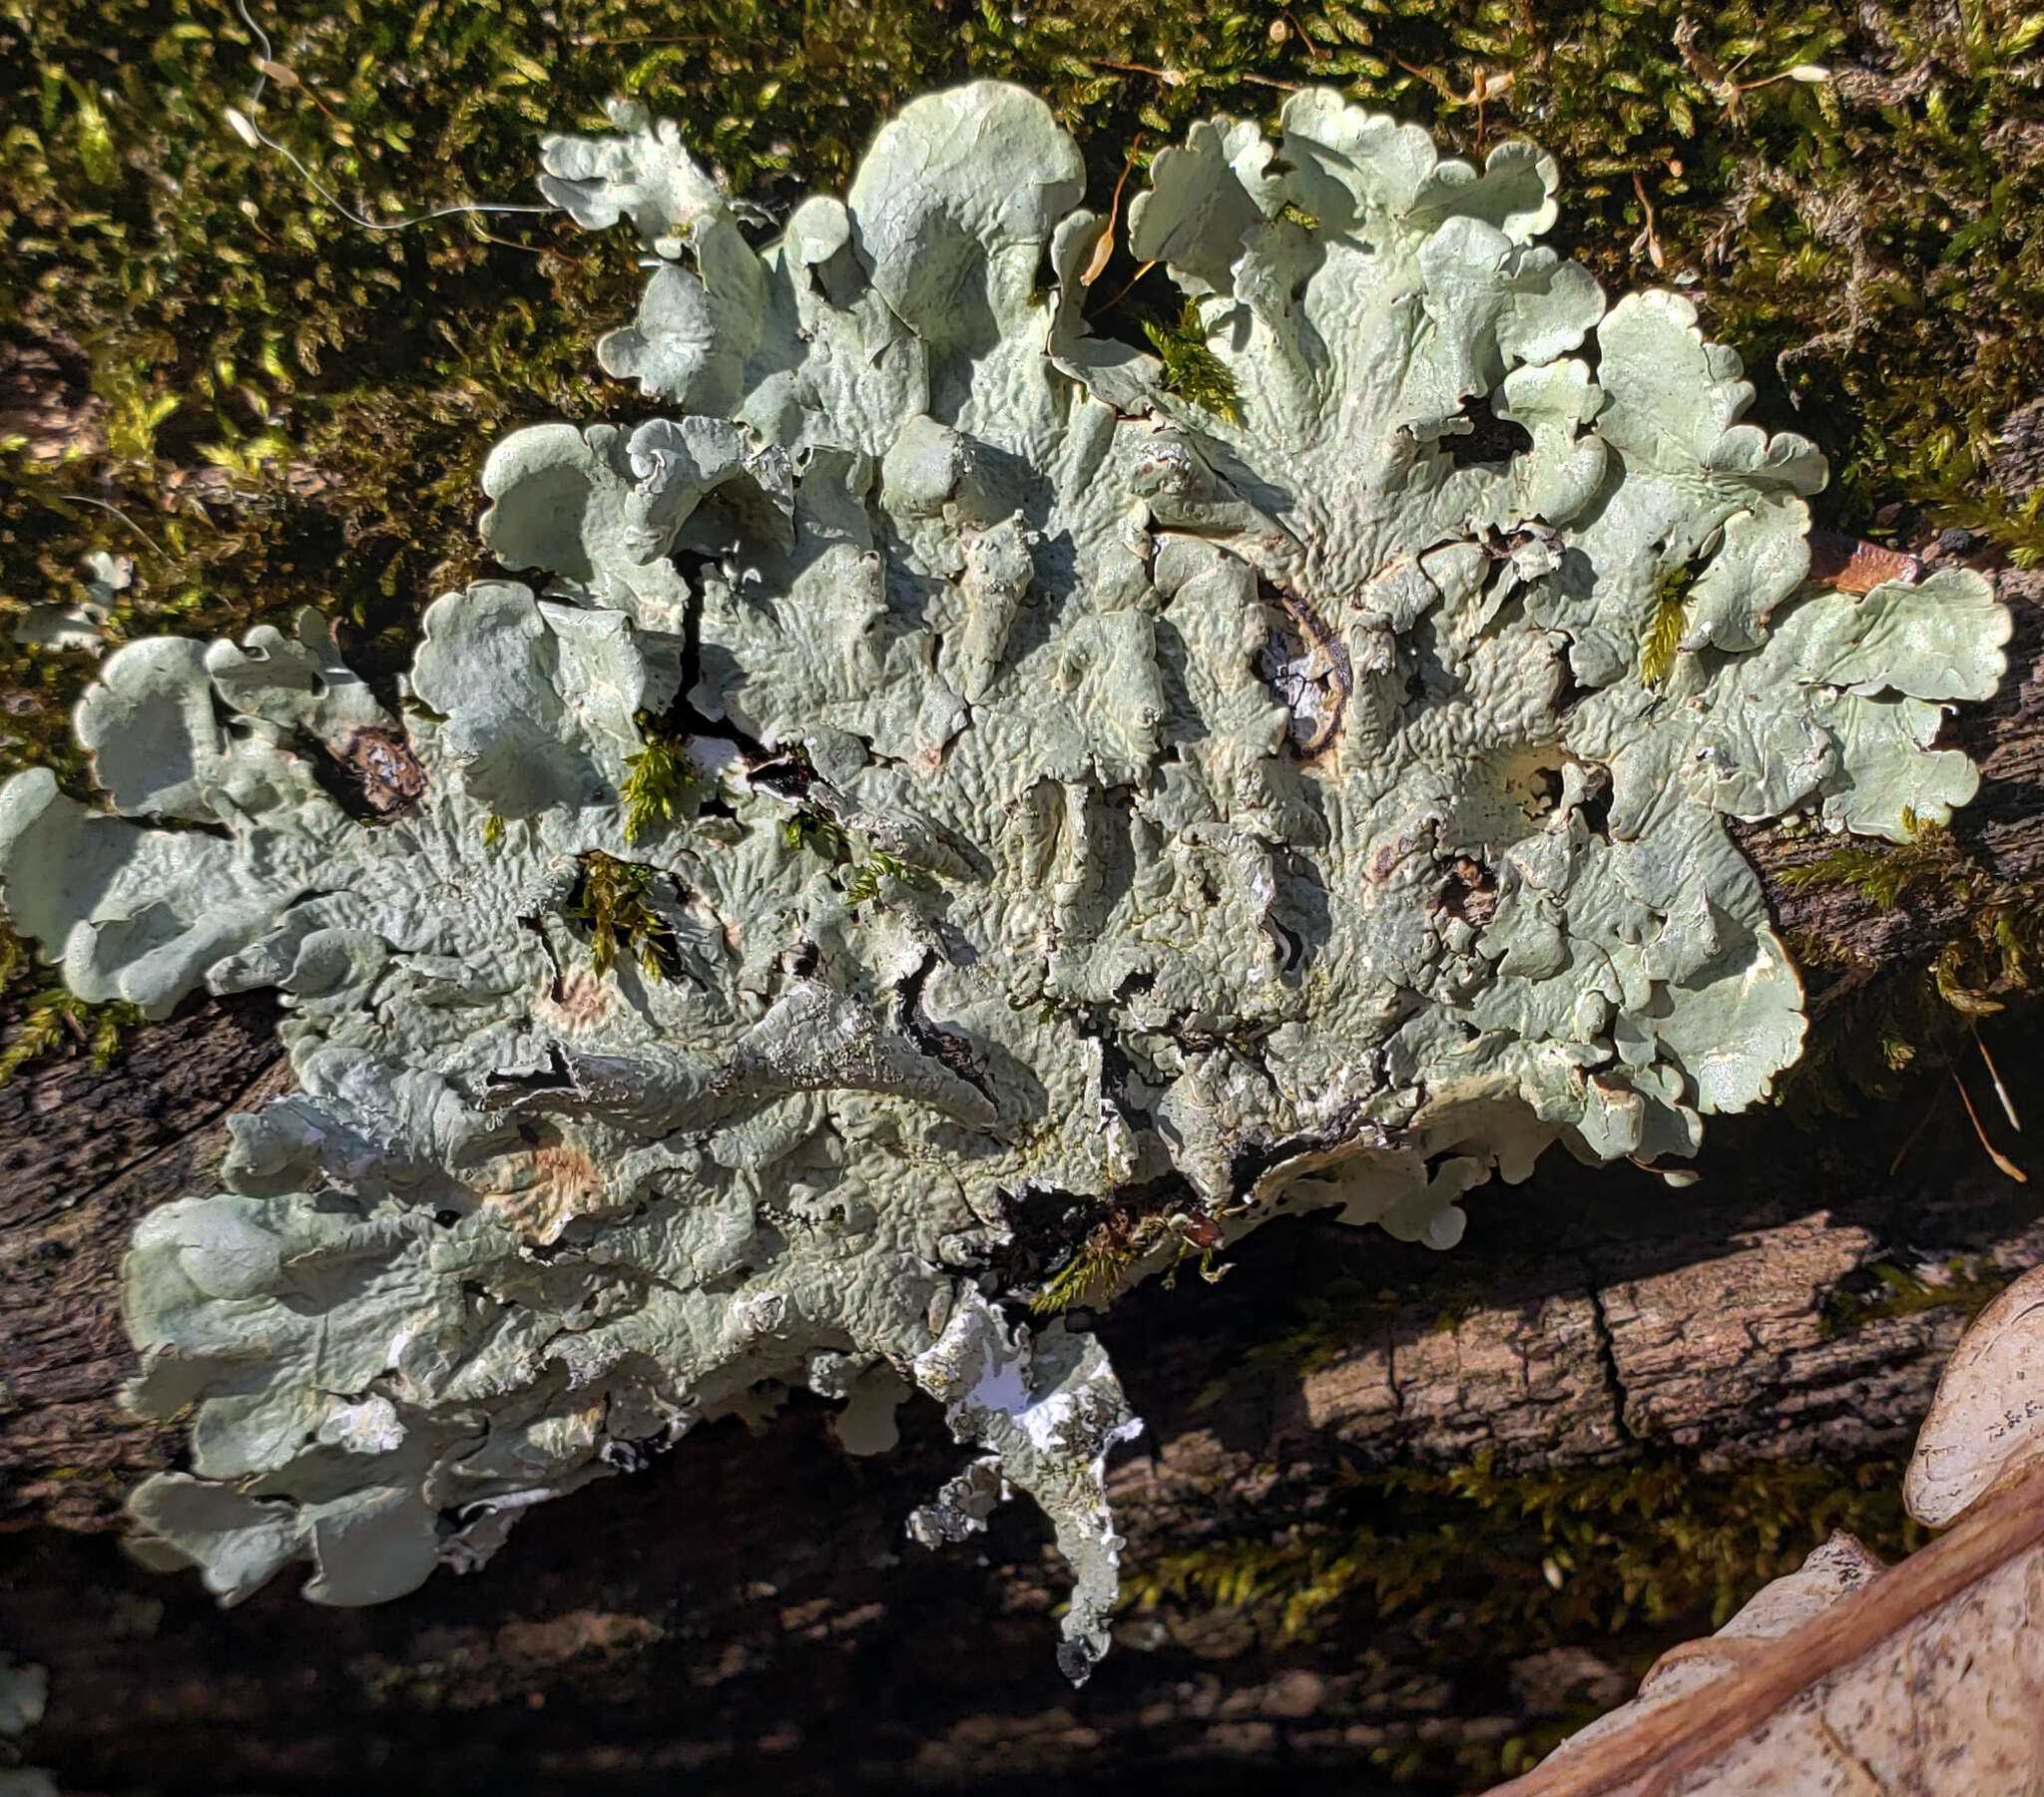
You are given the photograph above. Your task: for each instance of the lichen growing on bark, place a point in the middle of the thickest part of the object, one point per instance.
(1302, 785)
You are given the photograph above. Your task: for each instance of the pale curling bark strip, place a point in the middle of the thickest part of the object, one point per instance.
(1647, 1758)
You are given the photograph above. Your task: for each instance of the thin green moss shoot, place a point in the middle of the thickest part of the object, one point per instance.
(863, 885)
(1662, 638)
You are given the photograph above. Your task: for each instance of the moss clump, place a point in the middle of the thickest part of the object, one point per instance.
(1092, 1276)
(822, 836)
(1895, 1291)
(1114, 1248)
(610, 898)
(1192, 370)
(1664, 630)
(2002, 938)
(1886, 874)
(1649, 1543)
(1914, 1014)
(658, 782)
(54, 1017)
(862, 884)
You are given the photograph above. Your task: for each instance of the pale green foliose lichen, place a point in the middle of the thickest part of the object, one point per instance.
(1095, 795)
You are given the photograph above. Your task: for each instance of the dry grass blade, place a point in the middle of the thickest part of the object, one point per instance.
(1102, 251)
(1994, 1073)
(1994, 1154)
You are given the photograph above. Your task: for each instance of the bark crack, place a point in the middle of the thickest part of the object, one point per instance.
(1606, 1361)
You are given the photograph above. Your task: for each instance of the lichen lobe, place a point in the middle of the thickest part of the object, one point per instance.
(1094, 787)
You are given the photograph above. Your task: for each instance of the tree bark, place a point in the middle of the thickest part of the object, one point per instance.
(748, 1613)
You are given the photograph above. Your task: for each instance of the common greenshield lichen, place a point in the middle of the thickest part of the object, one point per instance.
(1214, 796)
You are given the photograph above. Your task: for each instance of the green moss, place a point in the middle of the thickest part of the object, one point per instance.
(1192, 370)
(1887, 873)
(1895, 1291)
(1484, 1567)
(609, 900)
(862, 885)
(822, 836)
(658, 782)
(1111, 1251)
(1649, 1543)
(53, 1018)
(1664, 630)
(1090, 1276)
(1873, 1024)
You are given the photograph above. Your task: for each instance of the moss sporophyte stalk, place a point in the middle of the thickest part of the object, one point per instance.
(952, 755)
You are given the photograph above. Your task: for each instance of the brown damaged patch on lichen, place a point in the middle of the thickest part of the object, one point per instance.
(575, 1002)
(373, 773)
(543, 1190)
(385, 768)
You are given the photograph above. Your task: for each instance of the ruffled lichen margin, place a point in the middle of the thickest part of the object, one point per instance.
(1298, 785)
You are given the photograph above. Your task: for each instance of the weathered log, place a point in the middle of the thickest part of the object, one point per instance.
(82, 1157)
(736, 1611)
(749, 1609)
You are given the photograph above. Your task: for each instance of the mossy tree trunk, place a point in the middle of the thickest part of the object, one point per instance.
(1396, 1514)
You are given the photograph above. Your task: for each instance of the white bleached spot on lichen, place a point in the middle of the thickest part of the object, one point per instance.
(1096, 793)
(371, 1426)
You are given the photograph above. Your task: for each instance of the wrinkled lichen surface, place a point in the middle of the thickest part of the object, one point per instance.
(1285, 771)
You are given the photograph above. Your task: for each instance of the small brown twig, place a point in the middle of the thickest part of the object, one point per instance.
(1304, 37)
(1910, 1141)
(1172, 78)
(1648, 237)
(1698, 1727)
